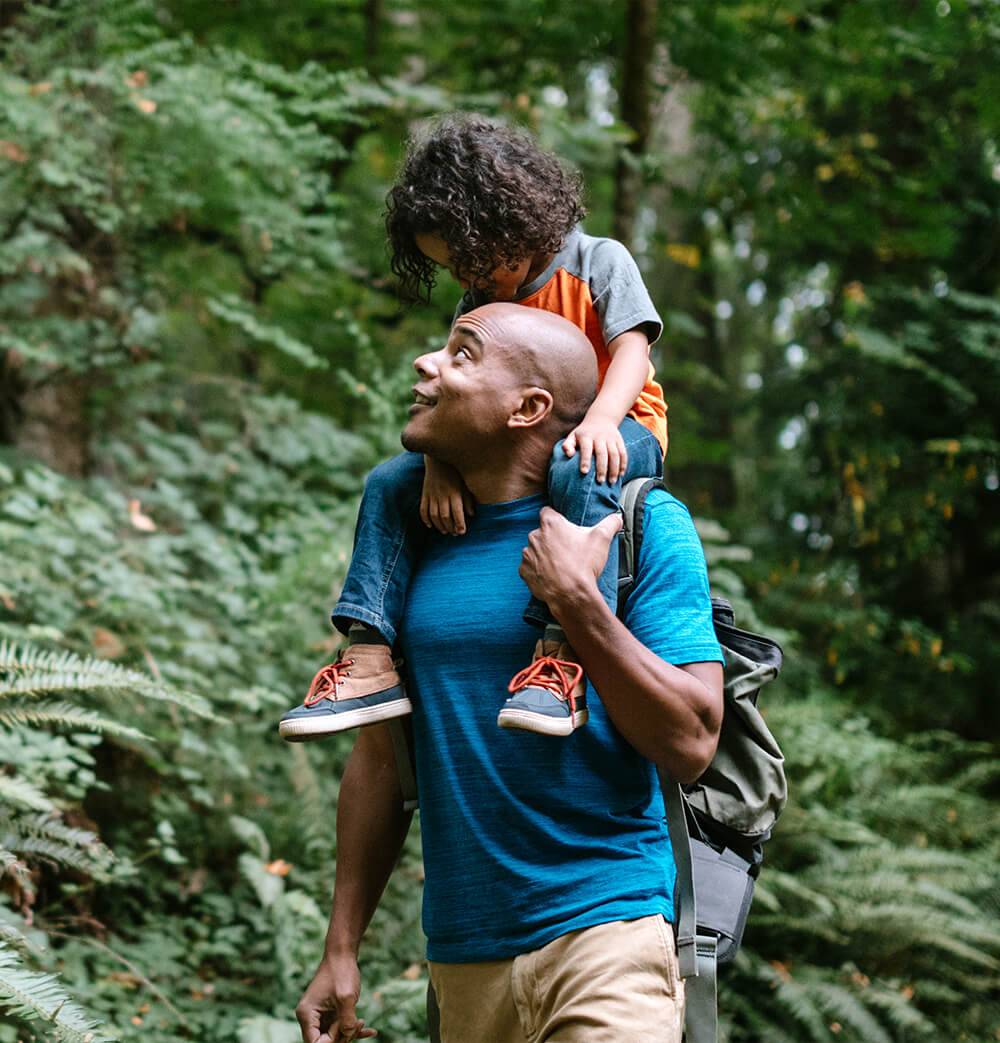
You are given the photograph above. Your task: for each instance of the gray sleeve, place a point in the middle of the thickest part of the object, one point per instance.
(620, 296)
(465, 303)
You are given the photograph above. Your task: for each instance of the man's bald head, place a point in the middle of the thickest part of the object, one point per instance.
(510, 383)
(544, 350)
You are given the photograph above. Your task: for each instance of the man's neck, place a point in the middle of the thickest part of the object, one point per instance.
(510, 477)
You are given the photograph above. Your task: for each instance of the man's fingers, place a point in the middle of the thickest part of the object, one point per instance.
(425, 511)
(347, 1031)
(343, 1028)
(609, 526)
(309, 1025)
(547, 516)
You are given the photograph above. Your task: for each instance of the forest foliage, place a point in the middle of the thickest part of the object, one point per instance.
(202, 353)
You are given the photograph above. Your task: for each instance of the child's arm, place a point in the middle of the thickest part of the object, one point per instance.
(445, 501)
(597, 437)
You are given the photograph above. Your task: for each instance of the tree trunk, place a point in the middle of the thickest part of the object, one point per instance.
(374, 12)
(54, 426)
(636, 111)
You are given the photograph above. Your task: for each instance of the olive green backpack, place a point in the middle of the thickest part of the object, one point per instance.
(719, 824)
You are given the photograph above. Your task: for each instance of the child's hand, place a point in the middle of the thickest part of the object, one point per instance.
(598, 438)
(445, 502)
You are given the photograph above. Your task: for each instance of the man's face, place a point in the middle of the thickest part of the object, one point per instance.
(501, 285)
(465, 392)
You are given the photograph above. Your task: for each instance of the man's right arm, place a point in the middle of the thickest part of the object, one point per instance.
(371, 828)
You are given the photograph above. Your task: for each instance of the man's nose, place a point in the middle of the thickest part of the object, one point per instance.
(426, 365)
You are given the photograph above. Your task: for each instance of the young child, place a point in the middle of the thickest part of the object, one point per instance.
(485, 202)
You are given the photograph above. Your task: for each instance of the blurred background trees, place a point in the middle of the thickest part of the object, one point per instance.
(202, 352)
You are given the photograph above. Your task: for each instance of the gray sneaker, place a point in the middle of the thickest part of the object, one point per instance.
(361, 687)
(550, 696)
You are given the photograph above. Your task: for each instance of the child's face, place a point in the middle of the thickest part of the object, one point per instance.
(502, 285)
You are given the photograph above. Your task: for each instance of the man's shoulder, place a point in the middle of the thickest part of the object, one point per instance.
(670, 607)
(664, 515)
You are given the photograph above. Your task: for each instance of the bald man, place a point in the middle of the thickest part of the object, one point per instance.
(548, 869)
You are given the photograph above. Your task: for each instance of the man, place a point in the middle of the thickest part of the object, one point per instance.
(549, 875)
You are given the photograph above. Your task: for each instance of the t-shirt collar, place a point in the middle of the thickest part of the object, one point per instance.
(557, 262)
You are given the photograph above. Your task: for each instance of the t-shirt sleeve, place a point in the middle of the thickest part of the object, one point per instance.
(670, 608)
(619, 294)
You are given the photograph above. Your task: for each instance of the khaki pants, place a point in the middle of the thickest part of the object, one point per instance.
(614, 983)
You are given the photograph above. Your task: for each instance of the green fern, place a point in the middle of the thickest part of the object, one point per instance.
(31, 671)
(33, 996)
(66, 716)
(22, 794)
(31, 829)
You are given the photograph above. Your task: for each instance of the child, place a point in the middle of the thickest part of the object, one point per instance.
(485, 202)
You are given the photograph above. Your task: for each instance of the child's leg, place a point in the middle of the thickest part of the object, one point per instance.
(549, 696)
(363, 685)
(584, 501)
(386, 540)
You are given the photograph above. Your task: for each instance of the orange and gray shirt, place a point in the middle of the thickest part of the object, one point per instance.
(595, 283)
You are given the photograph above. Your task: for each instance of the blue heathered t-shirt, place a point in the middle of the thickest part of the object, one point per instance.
(527, 837)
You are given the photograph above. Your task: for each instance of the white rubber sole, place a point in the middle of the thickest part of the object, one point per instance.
(534, 722)
(307, 728)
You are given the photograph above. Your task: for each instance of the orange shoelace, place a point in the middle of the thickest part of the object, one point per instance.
(327, 681)
(559, 676)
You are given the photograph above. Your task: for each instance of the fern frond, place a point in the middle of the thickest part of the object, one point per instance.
(66, 715)
(34, 996)
(48, 826)
(902, 926)
(29, 671)
(10, 863)
(50, 839)
(899, 1010)
(50, 851)
(843, 1005)
(799, 1002)
(23, 794)
(12, 938)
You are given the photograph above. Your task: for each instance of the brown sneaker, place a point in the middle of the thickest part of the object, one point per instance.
(361, 687)
(550, 696)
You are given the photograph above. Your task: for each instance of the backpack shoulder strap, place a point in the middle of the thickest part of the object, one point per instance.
(633, 507)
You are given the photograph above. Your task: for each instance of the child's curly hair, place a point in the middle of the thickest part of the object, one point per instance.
(488, 191)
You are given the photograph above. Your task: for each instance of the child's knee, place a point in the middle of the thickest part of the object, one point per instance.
(564, 471)
(401, 473)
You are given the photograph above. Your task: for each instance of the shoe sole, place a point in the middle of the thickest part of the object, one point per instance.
(317, 727)
(540, 724)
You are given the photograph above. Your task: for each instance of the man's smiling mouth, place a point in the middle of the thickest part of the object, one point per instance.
(420, 399)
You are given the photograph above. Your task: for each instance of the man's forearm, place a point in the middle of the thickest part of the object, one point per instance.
(371, 828)
(670, 714)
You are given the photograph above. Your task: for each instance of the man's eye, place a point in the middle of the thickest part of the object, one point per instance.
(463, 353)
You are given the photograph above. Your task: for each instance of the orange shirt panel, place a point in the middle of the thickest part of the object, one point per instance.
(566, 295)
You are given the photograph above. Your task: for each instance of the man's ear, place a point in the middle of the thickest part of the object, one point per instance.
(533, 408)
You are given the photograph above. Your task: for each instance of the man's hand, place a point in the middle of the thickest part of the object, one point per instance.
(326, 1012)
(445, 501)
(598, 439)
(562, 561)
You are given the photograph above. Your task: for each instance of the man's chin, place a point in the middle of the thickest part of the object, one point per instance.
(412, 440)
